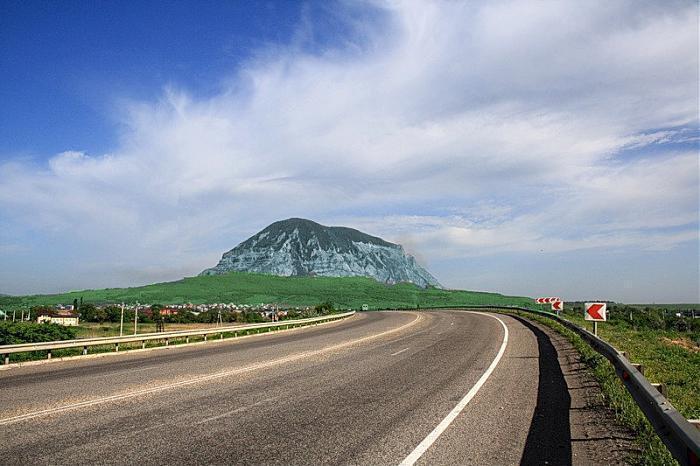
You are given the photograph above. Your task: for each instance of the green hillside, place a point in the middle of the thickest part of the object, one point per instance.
(244, 288)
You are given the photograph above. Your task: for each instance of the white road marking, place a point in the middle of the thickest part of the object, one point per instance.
(445, 423)
(198, 379)
(399, 352)
(237, 410)
(214, 418)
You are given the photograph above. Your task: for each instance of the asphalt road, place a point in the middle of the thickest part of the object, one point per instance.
(367, 390)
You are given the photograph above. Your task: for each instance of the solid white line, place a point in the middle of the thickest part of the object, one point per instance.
(445, 423)
(399, 352)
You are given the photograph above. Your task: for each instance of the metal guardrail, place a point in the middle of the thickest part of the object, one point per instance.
(85, 343)
(680, 437)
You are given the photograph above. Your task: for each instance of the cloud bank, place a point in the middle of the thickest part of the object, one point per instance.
(464, 130)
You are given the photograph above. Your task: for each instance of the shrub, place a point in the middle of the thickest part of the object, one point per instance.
(13, 333)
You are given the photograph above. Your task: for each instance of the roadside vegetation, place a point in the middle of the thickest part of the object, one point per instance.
(13, 333)
(666, 344)
(106, 323)
(665, 340)
(617, 398)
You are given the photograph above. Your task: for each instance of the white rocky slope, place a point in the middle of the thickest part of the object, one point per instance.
(302, 247)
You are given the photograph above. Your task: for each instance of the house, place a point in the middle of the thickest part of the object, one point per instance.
(67, 318)
(168, 311)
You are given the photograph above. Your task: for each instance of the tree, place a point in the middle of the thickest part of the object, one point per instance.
(35, 310)
(90, 313)
(157, 317)
(325, 308)
(114, 313)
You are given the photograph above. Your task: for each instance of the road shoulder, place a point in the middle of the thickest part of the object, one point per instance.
(596, 436)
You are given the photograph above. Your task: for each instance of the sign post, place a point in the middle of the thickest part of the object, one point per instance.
(121, 322)
(136, 317)
(595, 312)
(557, 306)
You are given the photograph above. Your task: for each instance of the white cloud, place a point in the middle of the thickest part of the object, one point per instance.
(458, 128)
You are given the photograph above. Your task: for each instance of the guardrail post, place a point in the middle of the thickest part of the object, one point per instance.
(167, 341)
(116, 347)
(84, 350)
(639, 367)
(695, 423)
(187, 339)
(48, 354)
(235, 334)
(143, 344)
(7, 359)
(205, 337)
(661, 387)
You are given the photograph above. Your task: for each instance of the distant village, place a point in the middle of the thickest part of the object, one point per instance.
(74, 314)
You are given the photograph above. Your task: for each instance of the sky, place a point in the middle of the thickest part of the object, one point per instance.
(537, 148)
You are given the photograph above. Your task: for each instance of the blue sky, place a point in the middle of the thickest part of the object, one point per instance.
(514, 146)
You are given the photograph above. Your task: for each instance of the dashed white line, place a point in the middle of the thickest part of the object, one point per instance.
(445, 423)
(399, 352)
(234, 411)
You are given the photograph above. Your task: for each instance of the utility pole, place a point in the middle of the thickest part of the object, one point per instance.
(121, 322)
(14, 311)
(22, 318)
(136, 317)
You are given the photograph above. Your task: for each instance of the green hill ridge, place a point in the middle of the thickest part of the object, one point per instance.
(254, 289)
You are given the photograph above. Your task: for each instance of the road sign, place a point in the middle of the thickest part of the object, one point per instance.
(557, 305)
(547, 300)
(595, 312)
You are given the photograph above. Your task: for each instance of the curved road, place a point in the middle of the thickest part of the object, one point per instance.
(367, 390)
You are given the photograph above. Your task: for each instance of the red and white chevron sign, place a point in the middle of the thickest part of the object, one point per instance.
(547, 300)
(557, 305)
(596, 312)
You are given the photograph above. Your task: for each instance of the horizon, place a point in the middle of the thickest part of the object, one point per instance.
(517, 147)
(564, 299)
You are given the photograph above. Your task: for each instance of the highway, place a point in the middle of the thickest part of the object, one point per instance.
(443, 387)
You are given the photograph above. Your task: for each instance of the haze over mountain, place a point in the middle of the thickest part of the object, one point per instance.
(299, 247)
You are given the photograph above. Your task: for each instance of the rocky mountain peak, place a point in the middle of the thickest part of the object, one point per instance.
(300, 247)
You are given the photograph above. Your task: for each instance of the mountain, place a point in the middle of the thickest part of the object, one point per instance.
(299, 247)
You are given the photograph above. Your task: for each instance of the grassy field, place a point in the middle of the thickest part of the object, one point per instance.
(111, 329)
(669, 357)
(254, 289)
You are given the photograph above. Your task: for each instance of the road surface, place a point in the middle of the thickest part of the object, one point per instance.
(372, 389)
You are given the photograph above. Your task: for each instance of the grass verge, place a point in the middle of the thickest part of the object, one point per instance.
(616, 396)
(670, 357)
